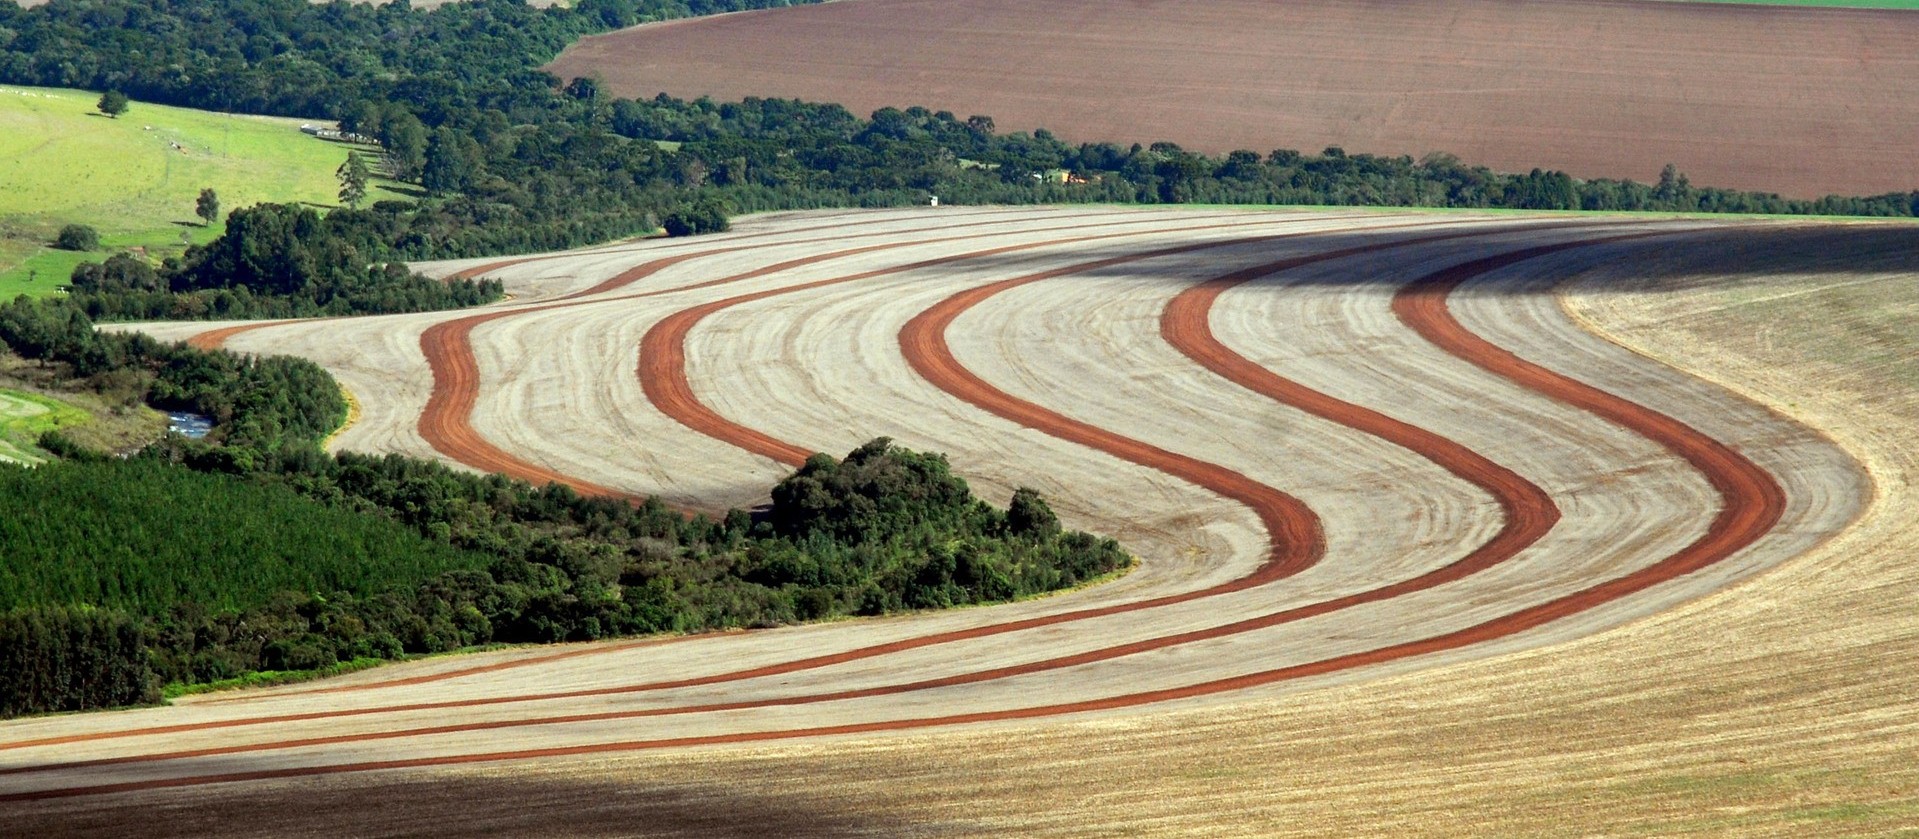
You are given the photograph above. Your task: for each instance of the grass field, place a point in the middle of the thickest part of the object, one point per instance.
(135, 178)
(24, 417)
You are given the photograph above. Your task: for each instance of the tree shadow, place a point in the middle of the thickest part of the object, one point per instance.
(408, 191)
(1756, 253)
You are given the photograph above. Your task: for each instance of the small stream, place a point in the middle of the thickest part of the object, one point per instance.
(189, 424)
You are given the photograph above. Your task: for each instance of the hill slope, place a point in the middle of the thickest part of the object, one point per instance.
(1804, 102)
(135, 178)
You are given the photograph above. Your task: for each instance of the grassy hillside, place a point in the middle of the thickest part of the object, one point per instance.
(24, 417)
(135, 178)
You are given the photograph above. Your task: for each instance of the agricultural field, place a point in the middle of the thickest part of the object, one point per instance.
(1400, 513)
(135, 178)
(1804, 102)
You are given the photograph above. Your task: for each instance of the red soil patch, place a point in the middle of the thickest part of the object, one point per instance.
(1800, 101)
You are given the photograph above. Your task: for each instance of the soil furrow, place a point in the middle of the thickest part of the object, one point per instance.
(1753, 502)
(1530, 514)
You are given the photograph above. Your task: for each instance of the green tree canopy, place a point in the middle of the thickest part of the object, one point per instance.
(208, 206)
(353, 180)
(113, 103)
(77, 237)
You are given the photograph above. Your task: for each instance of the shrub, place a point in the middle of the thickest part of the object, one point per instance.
(77, 237)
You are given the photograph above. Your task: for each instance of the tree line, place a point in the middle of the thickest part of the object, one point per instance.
(272, 261)
(510, 159)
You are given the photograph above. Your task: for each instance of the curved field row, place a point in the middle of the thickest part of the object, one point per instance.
(1489, 543)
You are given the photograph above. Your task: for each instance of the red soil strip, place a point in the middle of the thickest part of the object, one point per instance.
(1800, 101)
(214, 339)
(1753, 503)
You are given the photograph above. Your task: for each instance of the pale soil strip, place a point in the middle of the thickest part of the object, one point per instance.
(446, 422)
(381, 355)
(1624, 500)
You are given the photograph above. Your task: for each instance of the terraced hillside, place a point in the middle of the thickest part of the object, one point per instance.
(1344, 445)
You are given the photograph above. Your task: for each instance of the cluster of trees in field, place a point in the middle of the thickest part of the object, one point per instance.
(144, 536)
(272, 261)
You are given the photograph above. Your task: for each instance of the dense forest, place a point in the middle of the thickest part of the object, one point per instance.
(201, 560)
(303, 561)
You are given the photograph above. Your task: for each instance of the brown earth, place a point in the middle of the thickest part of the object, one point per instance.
(1800, 101)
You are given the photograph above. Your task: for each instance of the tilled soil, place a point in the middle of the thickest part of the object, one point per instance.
(1804, 102)
(1344, 445)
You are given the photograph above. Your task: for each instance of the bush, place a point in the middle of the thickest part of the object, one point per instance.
(703, 216)
(77, 237)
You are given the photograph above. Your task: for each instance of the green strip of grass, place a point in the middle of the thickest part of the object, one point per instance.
(270, 678)
(24, 417)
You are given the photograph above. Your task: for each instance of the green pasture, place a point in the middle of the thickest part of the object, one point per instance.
(24, 417)
(135, 178)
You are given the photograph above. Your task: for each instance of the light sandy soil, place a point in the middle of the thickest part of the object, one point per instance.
(1223, 688)
(1799, 101)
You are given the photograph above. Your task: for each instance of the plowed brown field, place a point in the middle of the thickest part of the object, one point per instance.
(1346, 446)
(1800, 101)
